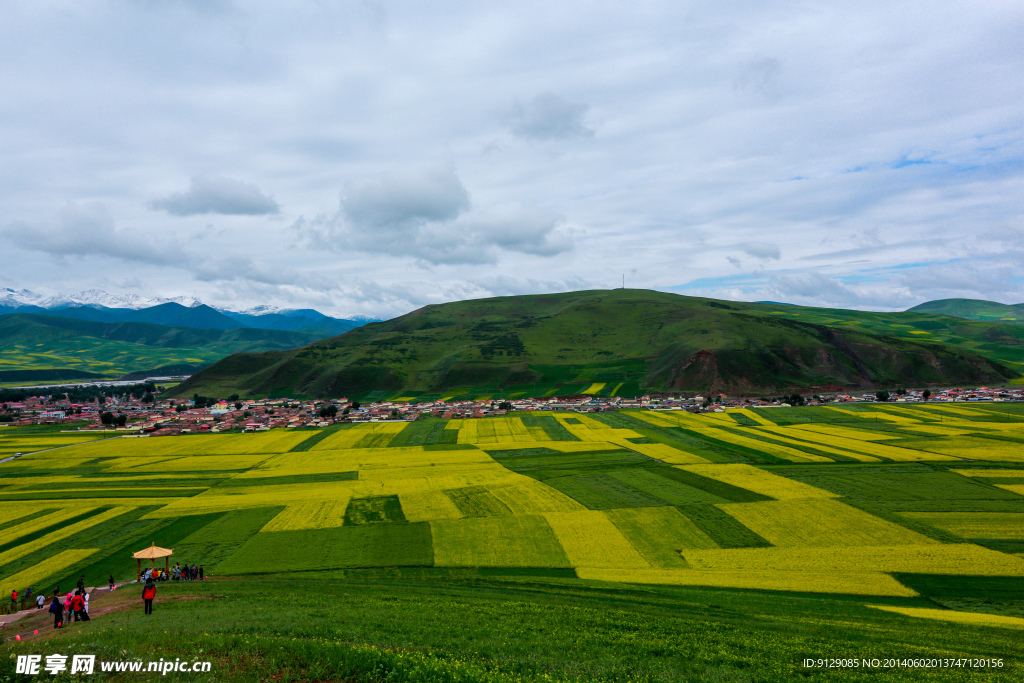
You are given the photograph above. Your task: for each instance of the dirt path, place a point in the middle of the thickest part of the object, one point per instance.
(33, 623)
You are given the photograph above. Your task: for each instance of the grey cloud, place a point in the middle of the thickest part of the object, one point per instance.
(82, 230)
(236, 268)
(399, 202)
(223, 196)
(762, 250)
(427, 215)
(549, 117)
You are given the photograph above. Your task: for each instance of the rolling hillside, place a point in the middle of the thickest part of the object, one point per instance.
(618, 342)
(974, 309)
(546, 547)
(44, 348)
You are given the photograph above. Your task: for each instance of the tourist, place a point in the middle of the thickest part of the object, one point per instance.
(111, 582)
(148, 593)
(200, 572)
(195, 573)
(57, 611)
(68, 613)
(86, 598)
(81, 583)
(14, 601)
(78, 607)
(28, 593)
(40, 601)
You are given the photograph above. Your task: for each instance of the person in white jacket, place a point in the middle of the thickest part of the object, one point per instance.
(86, 596)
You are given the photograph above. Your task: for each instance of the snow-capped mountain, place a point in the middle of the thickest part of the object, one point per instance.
(89, 297)
(101, 306)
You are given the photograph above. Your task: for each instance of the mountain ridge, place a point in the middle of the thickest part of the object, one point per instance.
(589, 342)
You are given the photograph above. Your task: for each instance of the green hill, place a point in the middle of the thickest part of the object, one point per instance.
(618, 342)
(974, 309)
(43, 348)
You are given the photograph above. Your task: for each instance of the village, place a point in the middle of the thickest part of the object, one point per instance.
(155, 416)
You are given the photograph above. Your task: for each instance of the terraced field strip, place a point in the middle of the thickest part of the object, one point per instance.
(973, 448)
(956, 616)
(952, 559)
(364, 545)
(759, 481)
(808, 581)
(427, 505)
(819, 522)
(523, 541)
(590, 539)
(754, 417)
(55, 519)
(660, 534)
(1007, 526)
(843, 431)
(59, 535)
(807, 444)
(318, 514)
(534, 497)
(992, 473)
(34, 575)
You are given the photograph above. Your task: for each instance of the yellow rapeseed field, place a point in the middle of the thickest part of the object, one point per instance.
(320, 514)
(60, 534)
(851, 583)
(963, 558)
(819, 522)
(34, 575)
(1007, 526)
(591, 540)
(532, 497)
(12, 533)
(759, 481)
(521, 541)
(956, 616)
(428, 505)
(660, 534)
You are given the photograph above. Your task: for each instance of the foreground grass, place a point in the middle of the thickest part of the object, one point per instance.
(432, 625)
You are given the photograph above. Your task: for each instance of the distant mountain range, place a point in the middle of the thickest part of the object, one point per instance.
(974, 309)
(99, 306)
(624, 343)
(95, 335)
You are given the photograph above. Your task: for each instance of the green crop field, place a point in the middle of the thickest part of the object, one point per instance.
(633, 546)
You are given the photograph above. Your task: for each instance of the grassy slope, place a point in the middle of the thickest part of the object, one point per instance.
(430, 625)
(629, 341)
(35, 343)
(973, 309)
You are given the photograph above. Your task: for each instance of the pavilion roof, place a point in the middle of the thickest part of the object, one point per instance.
(152, 553)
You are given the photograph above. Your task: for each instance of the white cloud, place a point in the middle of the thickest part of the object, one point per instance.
(833, 153)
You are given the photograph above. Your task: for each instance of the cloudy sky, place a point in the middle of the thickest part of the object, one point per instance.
(365, 157)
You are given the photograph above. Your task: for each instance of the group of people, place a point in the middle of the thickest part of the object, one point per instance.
(177, 573)
(75, 605)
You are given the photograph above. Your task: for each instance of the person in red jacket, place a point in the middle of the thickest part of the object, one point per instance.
(14, 601)
(78, 607)
(148, 593)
